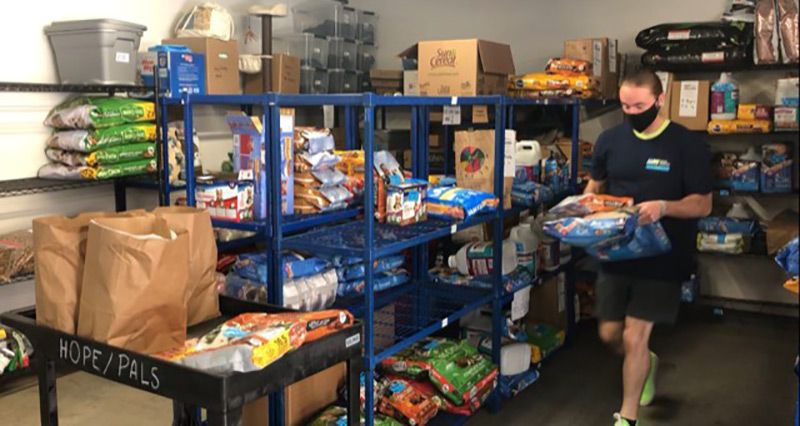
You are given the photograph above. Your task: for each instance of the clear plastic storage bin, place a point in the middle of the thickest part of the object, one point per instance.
(95, 51)
(313, 80)
(362, 82)
(351, 82)
(336, 81)
(312, 50)
(365, 27)
(366, 56)
(325, 18)
(342, 54)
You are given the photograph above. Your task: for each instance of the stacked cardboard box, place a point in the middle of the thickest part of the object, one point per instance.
(602, 54)
(386, 82)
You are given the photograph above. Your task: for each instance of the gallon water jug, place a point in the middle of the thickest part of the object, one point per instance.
(527, 246)
(724, 98)
(476, 258)
(528, 157)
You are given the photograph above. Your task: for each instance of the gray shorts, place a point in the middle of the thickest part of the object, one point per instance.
(651, 300)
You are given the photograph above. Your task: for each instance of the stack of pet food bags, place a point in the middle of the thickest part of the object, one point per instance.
(725, 235)
(309, 283)
(176, 140)
(15, 350)
(252, 341)
(562, 77)
(454, 375)
(789, 260)
(336, 415)
(16, 255)
(99, 138)
(696, 43)
(606, 227)
(319, 185)
(350, 272)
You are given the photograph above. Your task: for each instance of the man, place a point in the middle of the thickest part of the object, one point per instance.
(666, 169)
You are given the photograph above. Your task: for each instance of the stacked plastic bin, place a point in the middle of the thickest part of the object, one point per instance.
(335, 44)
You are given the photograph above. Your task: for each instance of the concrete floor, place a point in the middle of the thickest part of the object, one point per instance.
(730, 370)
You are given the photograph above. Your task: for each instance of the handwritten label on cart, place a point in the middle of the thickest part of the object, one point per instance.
(109, 364)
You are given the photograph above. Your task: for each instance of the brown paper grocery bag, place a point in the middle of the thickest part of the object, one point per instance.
(474, 153)
(201, 290)
(59, 245)
(134, 284)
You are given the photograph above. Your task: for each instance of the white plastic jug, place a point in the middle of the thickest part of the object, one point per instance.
(527, 245)
(476, 258)
(528, 157)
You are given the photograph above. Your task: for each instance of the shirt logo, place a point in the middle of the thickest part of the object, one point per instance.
(657, 165)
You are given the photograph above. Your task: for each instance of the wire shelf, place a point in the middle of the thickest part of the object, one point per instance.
(420, 310)
(349, 239)
(69, 88)
(18, 279)
(28, 186)
(291, 223)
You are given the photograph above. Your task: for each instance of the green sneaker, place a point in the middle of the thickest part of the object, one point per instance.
(620, 421)
(649, 389)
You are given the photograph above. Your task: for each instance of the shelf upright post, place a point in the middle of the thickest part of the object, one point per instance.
(188, 148)
(273, 198)
(417, 267)
(120, 195)
(576, 126)
(163, 141)
(369, 234)
(497, 271)
(351, 131)
(449, 156)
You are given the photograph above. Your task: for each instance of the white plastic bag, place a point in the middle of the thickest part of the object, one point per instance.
(206, 20)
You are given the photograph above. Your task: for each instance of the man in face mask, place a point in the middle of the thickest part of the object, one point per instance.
(666, 169)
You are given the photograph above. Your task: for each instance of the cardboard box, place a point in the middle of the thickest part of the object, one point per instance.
(468, 67)
(548, 303)
(411, 83)
(179, 72)
(227, 200)
(303, 399)
(667, 78)
(222, 62)
(604, 57)
(689, 105)
(285, 76)
(405, 202)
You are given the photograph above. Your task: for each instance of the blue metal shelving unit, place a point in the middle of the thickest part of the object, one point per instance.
(421, 308)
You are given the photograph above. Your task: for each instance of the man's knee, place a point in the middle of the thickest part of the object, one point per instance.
(611, 334)
(635, 338)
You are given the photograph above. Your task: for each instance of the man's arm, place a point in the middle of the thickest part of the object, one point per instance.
(692, 206)
(595, 187)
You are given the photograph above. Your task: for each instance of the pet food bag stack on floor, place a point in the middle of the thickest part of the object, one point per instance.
(319, 185)
(562, 77)
(99, 138)
(725, 234)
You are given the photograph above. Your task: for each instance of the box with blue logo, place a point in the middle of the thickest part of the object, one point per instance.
(776, 168)
(180, 70)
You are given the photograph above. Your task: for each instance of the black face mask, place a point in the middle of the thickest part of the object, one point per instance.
(644, 119)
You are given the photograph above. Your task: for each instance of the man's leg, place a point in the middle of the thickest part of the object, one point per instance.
(610, 333)
(636, 339)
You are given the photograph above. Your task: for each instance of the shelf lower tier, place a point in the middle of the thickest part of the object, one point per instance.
(349, 239)
(406, 314)
(28, 186)
(291, 223)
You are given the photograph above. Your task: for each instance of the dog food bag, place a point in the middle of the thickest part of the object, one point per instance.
(318, 324)
(645, 241)
(337, 416)
(92, 140)
(61, 171)
(16, 254)
(460, 372)
(766, 42)
(776, 168)
(380, 265)
(404, 403)
(93, 112)
(305, 161)
(381, 281)
(720, 243)
(789, 258)
(592, 229)
(313, 140)
(788, 26)
(111, 171)
(320, 178)
(585, 204)
(106, 156)
(459, 203)
(717, 127)
(726, 225)
(568, 67)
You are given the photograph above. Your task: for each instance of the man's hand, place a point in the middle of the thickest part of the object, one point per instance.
(651, 211)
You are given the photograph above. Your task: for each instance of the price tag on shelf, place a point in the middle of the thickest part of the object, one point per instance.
(453, 229)
(246, 174)
(451, 116)
(444, 323)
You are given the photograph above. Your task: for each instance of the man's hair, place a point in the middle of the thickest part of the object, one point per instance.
(644, 77)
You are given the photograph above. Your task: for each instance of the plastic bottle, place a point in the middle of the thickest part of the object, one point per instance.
(476, 258)
(528, 157)
(527, 246)
(724, 98)
(551, 254)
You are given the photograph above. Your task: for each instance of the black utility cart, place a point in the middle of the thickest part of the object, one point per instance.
(222, 395)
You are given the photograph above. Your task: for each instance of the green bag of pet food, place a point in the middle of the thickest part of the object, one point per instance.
(460, 372)
(111, 171)
(92, 140)
(107, 156)
(93, 112)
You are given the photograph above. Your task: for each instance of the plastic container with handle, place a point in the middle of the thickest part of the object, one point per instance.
(528, 157)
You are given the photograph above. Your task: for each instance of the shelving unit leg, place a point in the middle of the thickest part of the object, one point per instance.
(497, 233)
(575, 157)
(163, 143)
(369, 236)
(120, 195)
(224, 418)
(353, 392)
(188, 148)
(351, 128)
